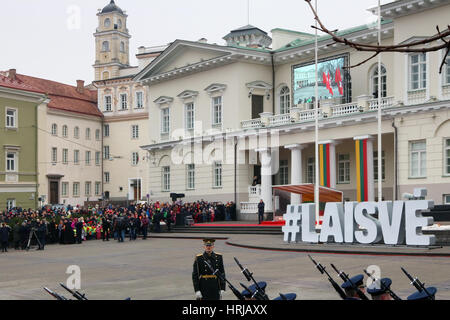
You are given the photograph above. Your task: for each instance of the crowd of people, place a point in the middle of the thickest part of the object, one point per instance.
(20, 228)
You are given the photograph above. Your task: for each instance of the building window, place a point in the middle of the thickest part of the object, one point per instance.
(11, 118)
(107, 177)
(418, 159)
(122, 46)
(76, 189)
(447, 157)
(54, 129)
(76, 156)
(107, 23)
(417, 71)
(344, 168)
(447, 71)
(375, 166)
(88, 158)
(76, 132)
(446, 198)
(97, 158)
(311, 171)
(105, 46)
(64, 131)
(106, 154)
(10, 204)
(285, 100)
(189, 116)
(190, 169)
(108, 103)
(374, 81)
(135, 158)
(65, 189)
(11, 162)
(217, 111)
(65, 156)
(284, 172)
(165, 121)
(87, 188)
(123, 101)
(54, 155)
(139, 100)
(217, 175)
(98, 188)
(97, 134)
(134, 132)
(166, 179)
(88, 134)
(106, 130)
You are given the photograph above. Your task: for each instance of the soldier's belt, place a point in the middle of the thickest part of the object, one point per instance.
(208, 276)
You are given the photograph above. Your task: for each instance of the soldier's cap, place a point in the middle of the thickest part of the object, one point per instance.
(288, 296)
(209, 242)
(376, 289)
(423, 295)
(356, 280)
(252, 289)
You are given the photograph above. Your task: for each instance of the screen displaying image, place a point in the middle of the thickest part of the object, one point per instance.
(331, 80)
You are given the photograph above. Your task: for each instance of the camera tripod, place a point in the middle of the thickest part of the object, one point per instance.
(32, 232)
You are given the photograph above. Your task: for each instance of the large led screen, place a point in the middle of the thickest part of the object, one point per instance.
(331, 78)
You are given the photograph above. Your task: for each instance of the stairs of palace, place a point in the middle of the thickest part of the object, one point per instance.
(230, 229)
(440, 213)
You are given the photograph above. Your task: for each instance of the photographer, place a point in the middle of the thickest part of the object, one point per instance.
(41, 233)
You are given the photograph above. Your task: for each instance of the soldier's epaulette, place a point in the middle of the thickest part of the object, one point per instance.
(217, 253)
(199, 255)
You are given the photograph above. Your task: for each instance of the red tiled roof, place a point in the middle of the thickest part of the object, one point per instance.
(63, 96)
(16, 84)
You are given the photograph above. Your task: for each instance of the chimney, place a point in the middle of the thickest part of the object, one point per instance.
(12, 74)
(80, 86)
(203, 40)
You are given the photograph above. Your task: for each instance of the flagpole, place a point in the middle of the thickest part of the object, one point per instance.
(316, 100)
(380, 154)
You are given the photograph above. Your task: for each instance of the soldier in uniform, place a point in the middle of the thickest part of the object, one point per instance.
(208, 286)
(349, 291)
(379, 292)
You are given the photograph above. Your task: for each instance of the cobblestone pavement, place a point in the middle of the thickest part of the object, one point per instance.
(161, 269)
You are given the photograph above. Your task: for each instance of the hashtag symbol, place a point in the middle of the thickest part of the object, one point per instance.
(291, 230)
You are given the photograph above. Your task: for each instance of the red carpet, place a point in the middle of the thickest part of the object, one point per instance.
(264, 224)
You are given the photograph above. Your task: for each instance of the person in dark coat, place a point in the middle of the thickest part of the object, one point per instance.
(208, 286)
(16, 236)
(106, 226)
(41, 233)
(69, 237)
(261, 211)
(4, 236)
(79, 227)
(145, 222)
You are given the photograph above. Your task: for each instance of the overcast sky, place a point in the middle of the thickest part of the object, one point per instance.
(48, 39)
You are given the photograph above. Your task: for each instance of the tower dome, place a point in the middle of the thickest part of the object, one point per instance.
(112, 7)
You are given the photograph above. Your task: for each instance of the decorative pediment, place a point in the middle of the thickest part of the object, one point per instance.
(259, 85)
(215, 87)
(163, 100)
(187, 94)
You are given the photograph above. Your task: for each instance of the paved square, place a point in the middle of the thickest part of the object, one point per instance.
(161, 268)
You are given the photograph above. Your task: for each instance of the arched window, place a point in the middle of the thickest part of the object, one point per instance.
(285, 100)
(54, 129)
(122, 46)
(119, 23)
(105, 46)
(374, 81)
(105, 75)
(64, 131)
(107, 22)
(76, 132)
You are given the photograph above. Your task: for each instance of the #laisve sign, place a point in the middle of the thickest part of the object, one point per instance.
(399, 222)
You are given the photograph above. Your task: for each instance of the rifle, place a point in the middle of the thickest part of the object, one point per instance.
(76, 294)
(346, 278)
(55, 295)
(222, 278)
(249, 277)
(416, 283)
(333, 283)
(255, 295)
(386, 289)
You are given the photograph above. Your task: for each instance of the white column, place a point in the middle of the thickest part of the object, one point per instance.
(296, 170)
(266, 178)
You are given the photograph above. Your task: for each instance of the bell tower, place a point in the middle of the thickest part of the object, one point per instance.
(112, 49)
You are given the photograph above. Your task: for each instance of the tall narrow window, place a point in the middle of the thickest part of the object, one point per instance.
(418, 159)
(135, 158)
(447, 71)
(105, 46)
(285, 100)
(97, 158)
(108, 103)
(76, 132)
(284, 172)
(165, 121)
(107, 177)
(98, 188)
(65, 189)
(123, 101)
(344, 168)
(374, 81)
(106, 130)
(54, 129)
(88, 158)
(76, 156)
(65, 156)
(139, 100)
(311, 171)
(54, 155)
(106, 154)
(447, 157)
(190, 169)
(375, 166)
(11, 165)
(189, 115)
(76, 189)
(64, 131)
(11, 118)
(135, 132)
(217, 111)
(217, 175)
(97, 134)
(122, 46)
(417, 71)
(88, 134)
(166, 178)
(87, 188)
